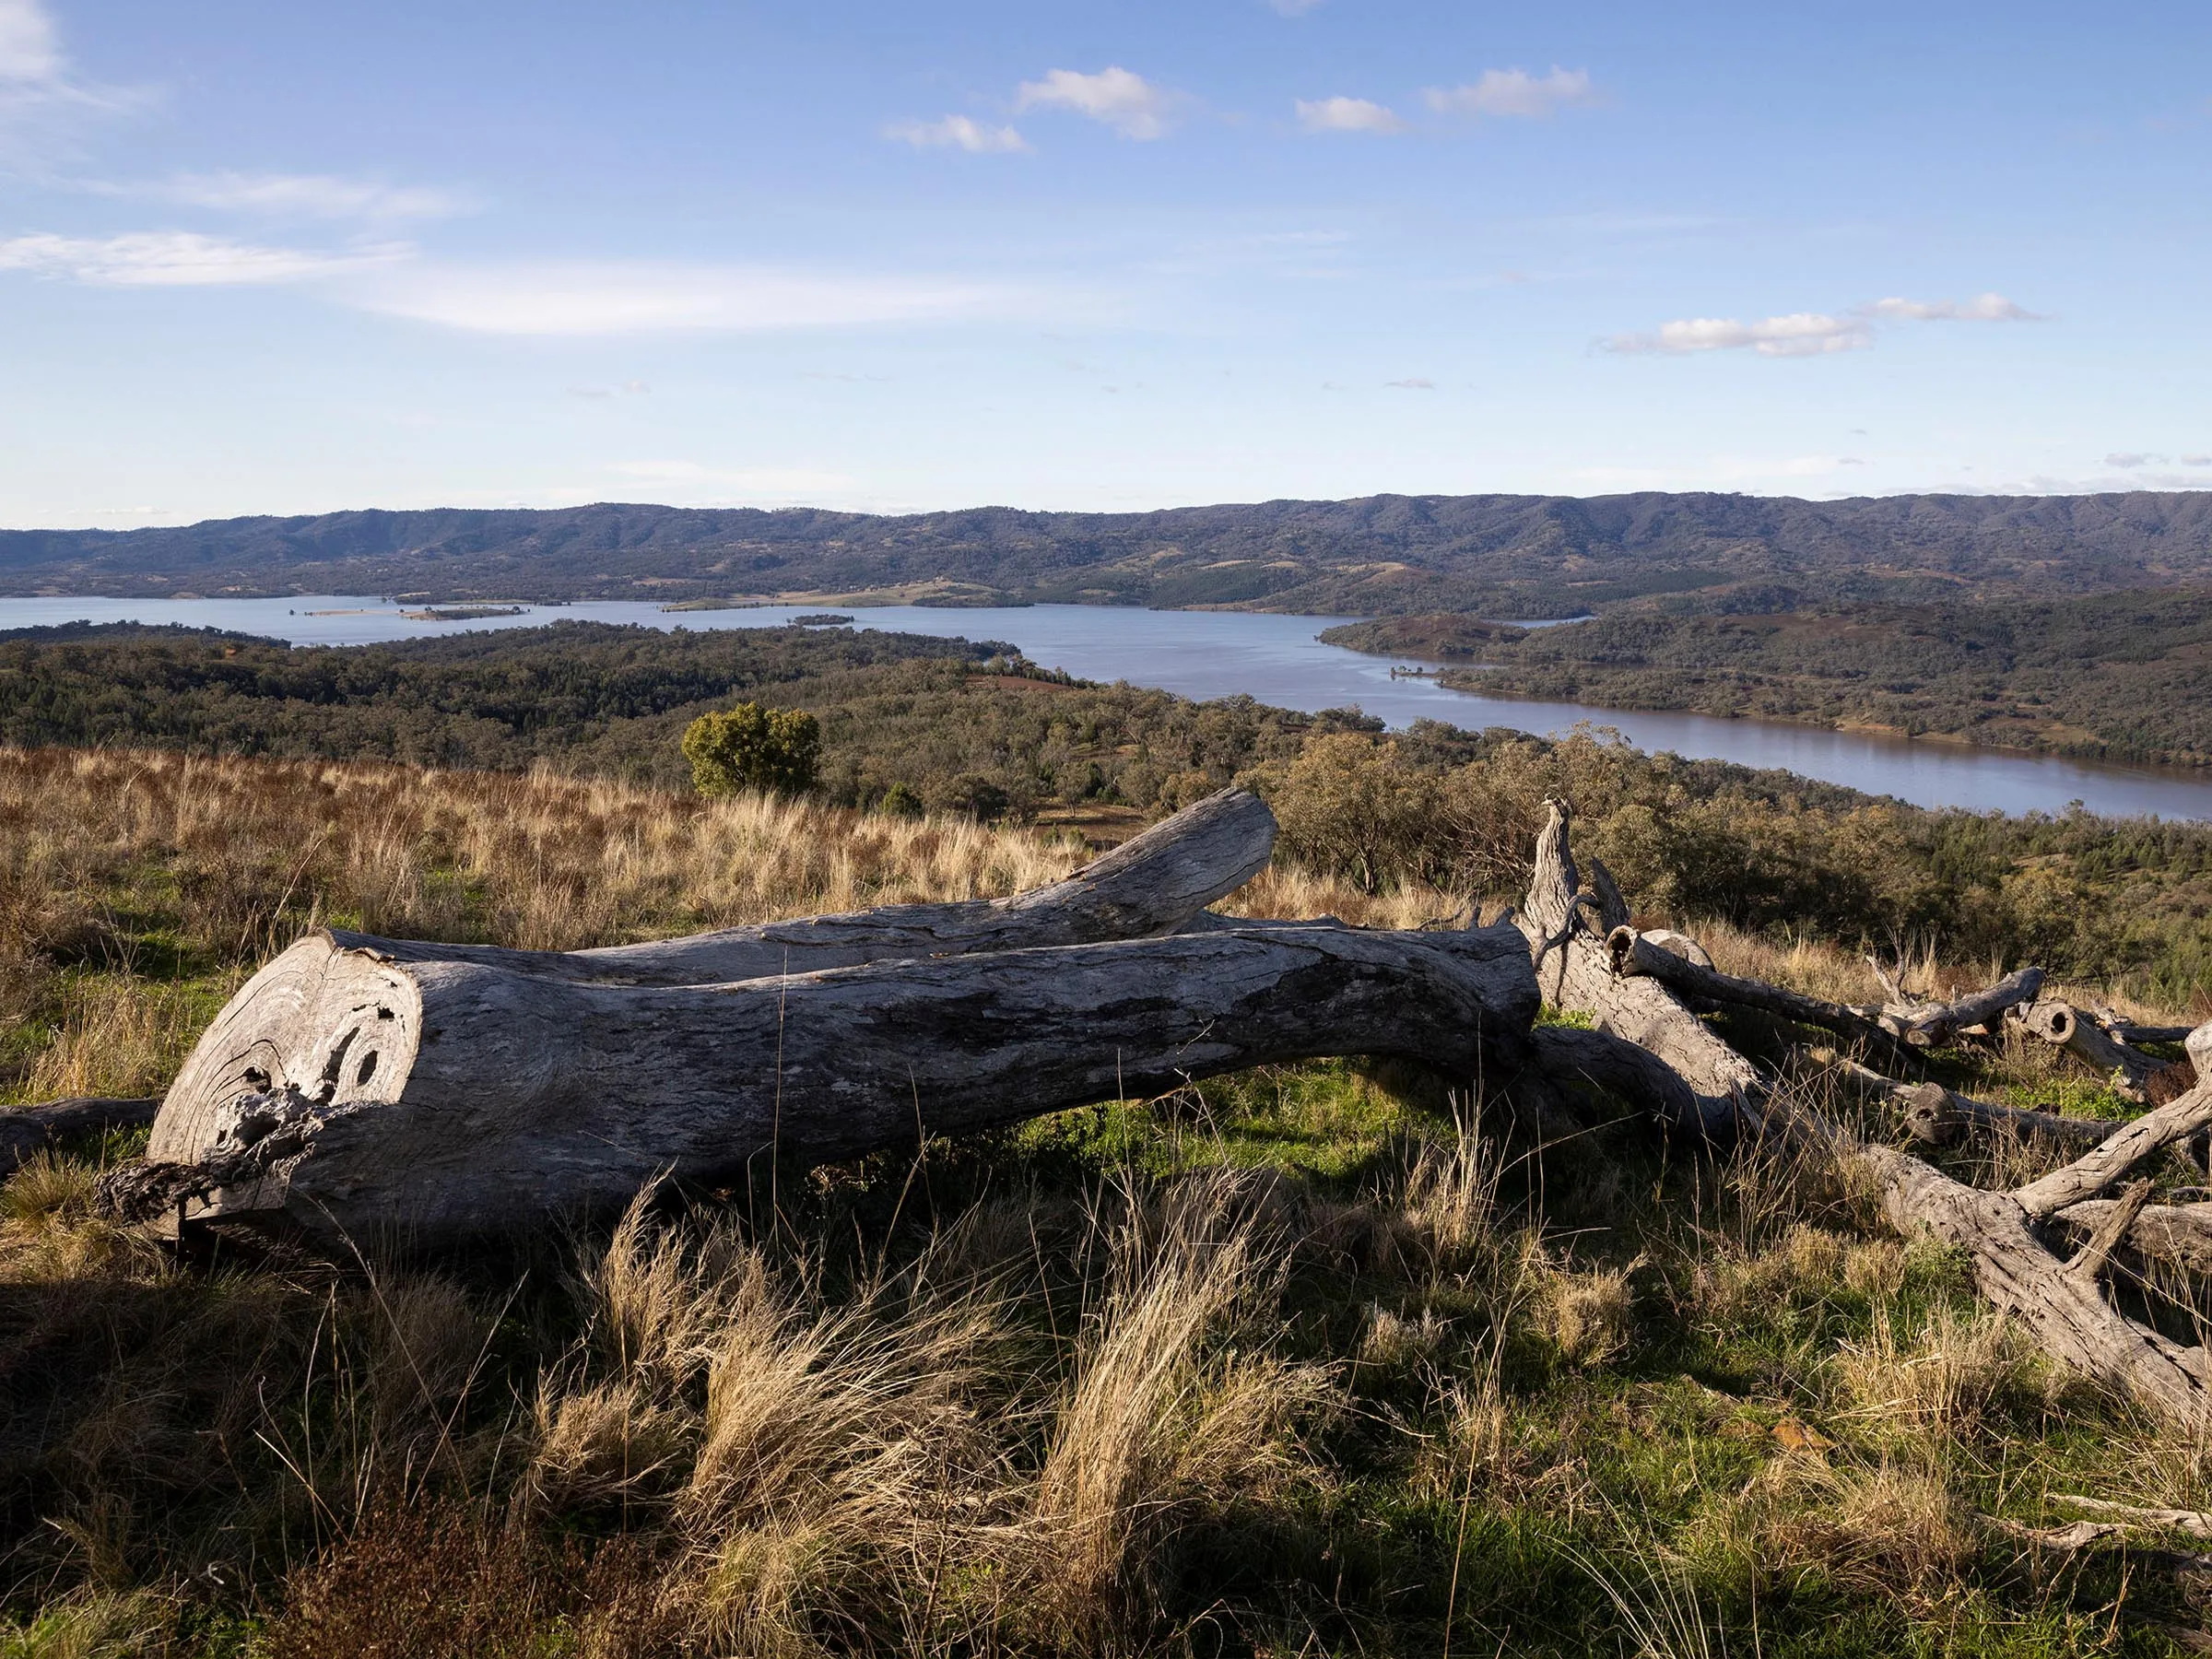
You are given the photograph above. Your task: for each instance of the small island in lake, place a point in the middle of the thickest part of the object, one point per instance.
(460, 613)
(821, 620)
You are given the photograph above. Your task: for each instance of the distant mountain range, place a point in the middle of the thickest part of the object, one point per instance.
(1494, 555)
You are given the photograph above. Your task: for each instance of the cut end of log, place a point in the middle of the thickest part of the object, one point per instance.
(323, 1025)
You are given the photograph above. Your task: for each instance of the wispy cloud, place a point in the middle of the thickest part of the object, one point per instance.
(180, 259)
(1811, 333)
(956, 132)
(580, 300)
(40, 105)
(29, 48)
(1127, 103)
(1982, 307)
(2196, 459)
(1347, 115)
(2130, 459)
(1414, 383)
(308, 196)
(1514, 93)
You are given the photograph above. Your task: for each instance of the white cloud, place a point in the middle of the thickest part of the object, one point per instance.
(576, 300)
(42, 109)
(29, 48)
(1811, 333)
(1128, 104)
(1982, 307)
(2196, 459)
(178, 259)
(2128, 461)
(310, 196)
(1801, 334)
(956, 132)
(1347, 115)
(1513, 93)
(1417, 384)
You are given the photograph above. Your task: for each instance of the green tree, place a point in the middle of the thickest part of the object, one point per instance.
(752, 747)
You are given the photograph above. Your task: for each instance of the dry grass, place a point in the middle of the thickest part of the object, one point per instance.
(1948, 1380)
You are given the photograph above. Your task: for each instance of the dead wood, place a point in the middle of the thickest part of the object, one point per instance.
(1156, 883)
(2177, 1234)
(1936, 1024)
(344, 1092)
(26, 1131)
(2065, 1311)
(1637, 954)
(1935, 1115)
(2065, 1026)
(1566, 925)
(2195, 1523)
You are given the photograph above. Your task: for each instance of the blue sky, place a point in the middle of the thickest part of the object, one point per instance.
(285, 258)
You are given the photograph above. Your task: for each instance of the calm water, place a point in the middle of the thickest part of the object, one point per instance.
(1276, 660)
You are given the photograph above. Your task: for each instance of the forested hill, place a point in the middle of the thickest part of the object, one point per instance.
(1513, 556)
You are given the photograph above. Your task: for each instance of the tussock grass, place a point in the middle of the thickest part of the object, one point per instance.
(1317, 1360)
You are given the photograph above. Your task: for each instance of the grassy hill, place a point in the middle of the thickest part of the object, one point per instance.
(1497, 555)
(1309, 1361)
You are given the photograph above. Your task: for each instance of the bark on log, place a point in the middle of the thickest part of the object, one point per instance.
(1935, 1024)
(26, 1131)
(1636, 954)
(2177, 1234)
(1914, 1101)
(1155, 883)
(2068, 1026)
(2067, 1312)
(1574, 969)
(345, 1092)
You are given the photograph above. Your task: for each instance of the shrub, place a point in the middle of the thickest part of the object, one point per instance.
(777, 751)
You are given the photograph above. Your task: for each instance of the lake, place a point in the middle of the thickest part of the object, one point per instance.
(1278, 660)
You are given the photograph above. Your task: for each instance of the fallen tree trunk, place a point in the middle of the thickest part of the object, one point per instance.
(2177, 1234)
(2065, 1026)
(1156, 883)
(1637, 954)
(1935, 1024)
(1575, 970)
(2063, 1304)
(26, 1131)
(1929, 1108)
(347, 1093)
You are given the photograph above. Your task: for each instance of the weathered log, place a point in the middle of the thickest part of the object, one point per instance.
(1575, 970)
(1621, 1068)
(1634, 954)
(1155, 883)
(2065, 1311)
(2112, 1158)
(26, 1131)
(1929, 1106)
(345, 1092)
(2195, 1523)
(2120, 1029)
(1935, 1024)
(2177, 1234)
(2065, 1026)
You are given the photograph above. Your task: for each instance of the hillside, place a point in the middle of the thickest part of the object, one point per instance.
(1500, 556)
(2111, 676)
(1307, 1358)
